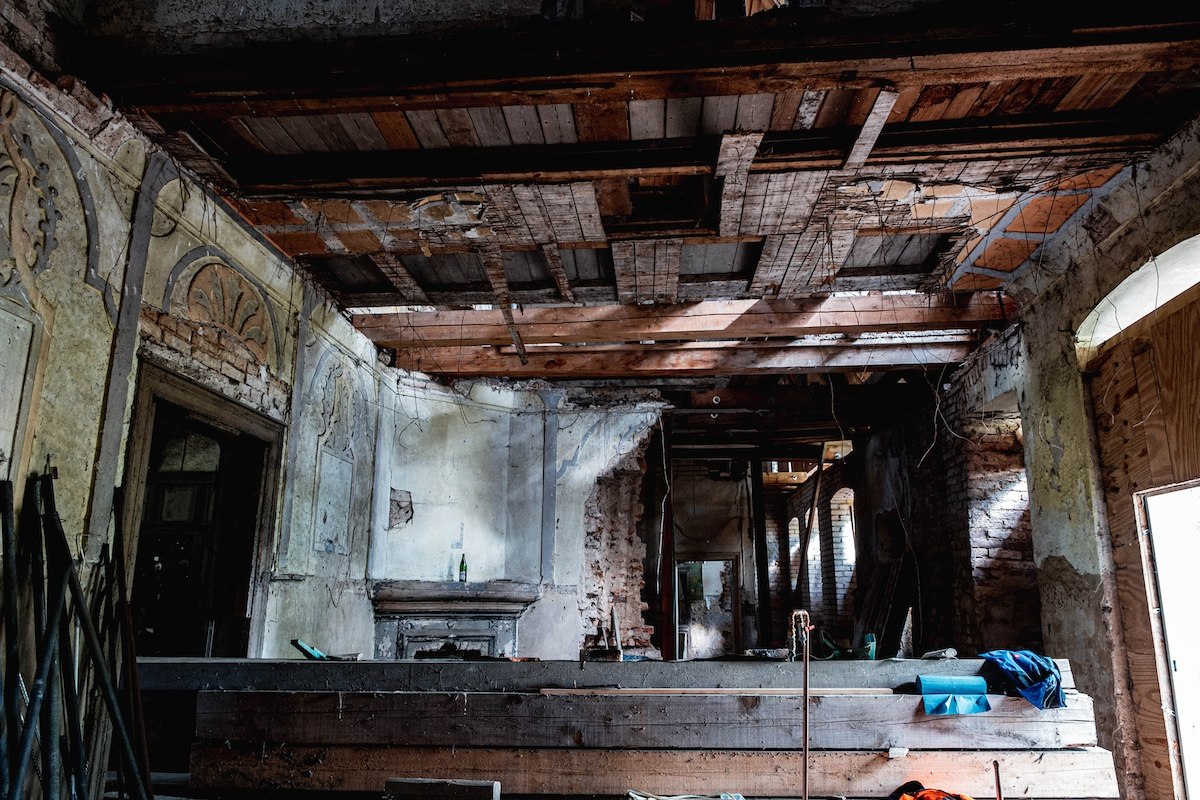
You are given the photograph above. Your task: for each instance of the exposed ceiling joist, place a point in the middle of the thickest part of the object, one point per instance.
(695, 359)
(714, 319)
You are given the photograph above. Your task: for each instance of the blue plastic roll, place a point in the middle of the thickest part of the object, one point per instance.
(945, 695)
(951, 684)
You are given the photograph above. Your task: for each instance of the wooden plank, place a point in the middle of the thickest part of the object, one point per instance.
(396, 131)
(783, 110)
(558, 123)
(733, 164)
(683, 116)
(642, 721)
(524, 125)
(395, 271)
(689, 359)
(871, 129)
(363, 131)
(718, 115)
(832, 691)
(587, 210)
(427, 129)
(300, 131)
(490, 127)
(754, 112)
(647, 119)
(554, 266)
(1153, 420)
(273, 137)
(456, 124)
(559, 202)
(602, 122)
(434, 789)
(1175, 339)
(537, 218)
(667, 255)
(810, 106)
(624, 255)
(1030, 774)
(242, 674)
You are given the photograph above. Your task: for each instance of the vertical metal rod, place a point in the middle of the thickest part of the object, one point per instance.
(74, 722)
(34, 707)
(996, 768)
(123, 624)
(804, 771)
(95, 647)
(12, 633)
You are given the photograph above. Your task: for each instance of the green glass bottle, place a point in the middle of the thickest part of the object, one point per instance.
(462, 568)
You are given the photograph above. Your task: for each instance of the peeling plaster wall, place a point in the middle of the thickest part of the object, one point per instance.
(1156, 207)
(502, 473)
(110, 259)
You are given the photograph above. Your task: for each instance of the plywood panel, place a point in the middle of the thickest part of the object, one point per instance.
(602, 122)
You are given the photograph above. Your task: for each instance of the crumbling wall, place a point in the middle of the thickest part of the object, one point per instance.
(614, 554)
(113, 258)
(1083, 618)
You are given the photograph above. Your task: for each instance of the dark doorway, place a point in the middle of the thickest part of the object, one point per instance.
(197, 540)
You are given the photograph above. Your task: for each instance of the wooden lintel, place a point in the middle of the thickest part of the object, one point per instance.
(713, 319)
(697, 360)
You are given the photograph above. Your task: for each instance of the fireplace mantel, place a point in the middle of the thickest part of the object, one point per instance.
(420, 616)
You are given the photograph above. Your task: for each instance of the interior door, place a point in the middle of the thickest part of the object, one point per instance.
(1173, 522)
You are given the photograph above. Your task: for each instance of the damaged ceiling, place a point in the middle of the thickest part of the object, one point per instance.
(631, 196)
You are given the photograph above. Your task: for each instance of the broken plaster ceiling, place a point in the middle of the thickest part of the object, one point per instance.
(752, 197)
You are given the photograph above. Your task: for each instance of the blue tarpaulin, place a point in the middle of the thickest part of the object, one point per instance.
(1036, 678)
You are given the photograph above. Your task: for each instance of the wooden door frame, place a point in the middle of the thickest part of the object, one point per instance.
(1162, 659)
(157, 384)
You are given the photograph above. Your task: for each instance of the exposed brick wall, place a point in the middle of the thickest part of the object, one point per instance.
(41, 31)
(1006, 610)
(213, 358)
(828, 568)
(780, 573)
(614, 555)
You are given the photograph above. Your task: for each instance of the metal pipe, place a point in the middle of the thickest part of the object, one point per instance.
(805, 628)
(95, 647)
(12, 633)
(32, 709)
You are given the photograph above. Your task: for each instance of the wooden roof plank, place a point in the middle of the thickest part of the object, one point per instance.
(683, 116)
(427, 129)
(554, 264)
(490, 126)
(396, 131)
(524, 126)
(602, 122)
(647, 119)
(558, 123)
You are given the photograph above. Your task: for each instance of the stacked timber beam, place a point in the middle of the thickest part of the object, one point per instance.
(572, 729)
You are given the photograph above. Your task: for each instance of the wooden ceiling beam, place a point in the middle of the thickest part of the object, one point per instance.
(372, 173)
(713, 319)
(691, 360)
(577, 64)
